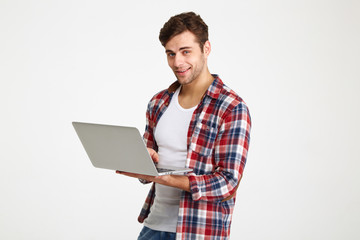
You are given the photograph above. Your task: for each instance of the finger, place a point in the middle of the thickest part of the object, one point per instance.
(155, 157)
(130, 174)
(125, 173)
(153, 154)
(135, 175)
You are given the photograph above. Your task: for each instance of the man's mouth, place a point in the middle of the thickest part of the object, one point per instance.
(183, 71)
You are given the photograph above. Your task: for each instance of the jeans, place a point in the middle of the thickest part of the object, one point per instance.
(149, 234)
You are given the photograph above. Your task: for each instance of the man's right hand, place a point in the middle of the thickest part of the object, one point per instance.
(154, 155)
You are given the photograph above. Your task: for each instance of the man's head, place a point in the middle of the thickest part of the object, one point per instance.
(184, 22)
(185, 39)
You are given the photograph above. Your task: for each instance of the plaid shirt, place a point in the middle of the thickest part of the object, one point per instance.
(218, 141)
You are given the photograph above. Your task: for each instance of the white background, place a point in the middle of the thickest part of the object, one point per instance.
(295, 63)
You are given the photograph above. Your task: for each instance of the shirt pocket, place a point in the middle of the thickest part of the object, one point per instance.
(204, 139)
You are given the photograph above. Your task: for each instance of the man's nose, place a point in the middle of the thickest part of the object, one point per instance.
(178, 61)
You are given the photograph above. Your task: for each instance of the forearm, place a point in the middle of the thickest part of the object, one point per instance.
(181, 182)
(176, 181)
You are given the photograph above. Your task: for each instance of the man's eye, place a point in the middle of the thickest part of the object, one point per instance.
(171, 54)
(186, 52)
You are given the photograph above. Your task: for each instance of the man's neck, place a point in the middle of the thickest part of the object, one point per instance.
(191, 94)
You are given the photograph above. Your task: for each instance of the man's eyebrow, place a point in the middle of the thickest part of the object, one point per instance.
(182, 48)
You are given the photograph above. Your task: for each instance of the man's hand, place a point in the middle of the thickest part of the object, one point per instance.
(154, 155)
(177, 181)
(181, 182)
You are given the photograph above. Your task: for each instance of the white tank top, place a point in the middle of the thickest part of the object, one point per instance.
(171, 138)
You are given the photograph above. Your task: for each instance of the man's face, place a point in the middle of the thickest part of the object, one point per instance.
(185, 57)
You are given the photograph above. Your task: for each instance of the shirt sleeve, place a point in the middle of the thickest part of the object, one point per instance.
(149, 128)
(148, 136)
(229, 156)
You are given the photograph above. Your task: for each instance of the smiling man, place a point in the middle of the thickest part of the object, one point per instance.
(199, 123)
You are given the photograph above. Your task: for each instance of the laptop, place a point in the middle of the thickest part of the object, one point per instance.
(120, 148)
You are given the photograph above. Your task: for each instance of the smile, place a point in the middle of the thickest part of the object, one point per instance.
(183, 71)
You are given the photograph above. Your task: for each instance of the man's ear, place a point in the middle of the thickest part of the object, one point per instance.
(207, 48)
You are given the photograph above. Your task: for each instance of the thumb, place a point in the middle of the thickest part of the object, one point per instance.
(154, 155)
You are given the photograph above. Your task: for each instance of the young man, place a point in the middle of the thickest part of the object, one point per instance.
(200, 123)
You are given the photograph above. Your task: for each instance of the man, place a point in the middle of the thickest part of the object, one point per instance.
(199, 123)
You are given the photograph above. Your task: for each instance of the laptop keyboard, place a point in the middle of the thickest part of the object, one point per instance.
(164, 170)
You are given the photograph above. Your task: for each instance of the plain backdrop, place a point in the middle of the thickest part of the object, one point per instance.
(295, 63)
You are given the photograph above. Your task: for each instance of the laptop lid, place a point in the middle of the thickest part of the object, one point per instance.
(118, 148)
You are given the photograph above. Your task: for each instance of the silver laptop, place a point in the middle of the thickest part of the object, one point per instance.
(119, 148)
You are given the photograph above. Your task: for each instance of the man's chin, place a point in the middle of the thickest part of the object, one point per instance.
(181, 80)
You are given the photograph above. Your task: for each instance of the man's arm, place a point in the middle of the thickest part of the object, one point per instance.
(229, 157)
(177, 181)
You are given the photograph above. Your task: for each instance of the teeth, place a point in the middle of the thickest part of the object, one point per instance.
(183, 71)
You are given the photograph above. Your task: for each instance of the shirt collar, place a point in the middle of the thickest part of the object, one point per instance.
(214, 89)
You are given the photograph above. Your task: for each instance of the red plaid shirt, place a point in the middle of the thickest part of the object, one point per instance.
(218, 141)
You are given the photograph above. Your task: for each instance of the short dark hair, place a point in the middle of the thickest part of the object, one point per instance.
(188, 21)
